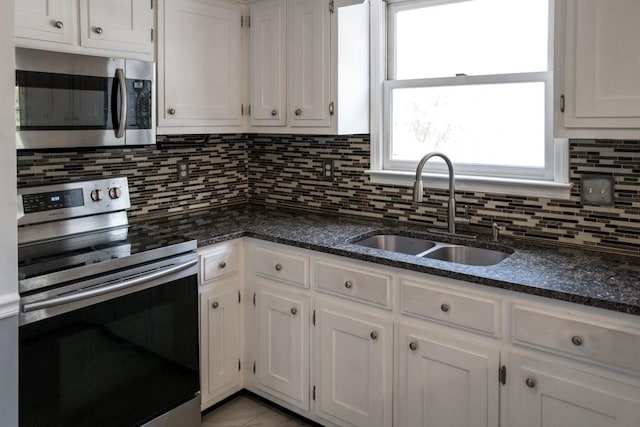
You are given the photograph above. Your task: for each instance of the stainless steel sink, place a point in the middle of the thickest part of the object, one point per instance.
(396, 243)
(459, 254)
(467, 255)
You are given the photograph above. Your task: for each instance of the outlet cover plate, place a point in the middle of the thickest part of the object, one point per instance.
(596, 190)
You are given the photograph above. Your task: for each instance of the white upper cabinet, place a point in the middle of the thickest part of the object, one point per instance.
(116, 25)
(46, 20)
(597, 63)
(267, 63)
(309, 66)
(119, 28)
(308, 63)
(199, 66)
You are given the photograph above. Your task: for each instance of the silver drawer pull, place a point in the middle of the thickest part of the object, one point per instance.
(445, 307)
(98, 30)
(294, 311)
(171, 111)
(530, 382)
(298, 112)
(278, 267)
(222, 264)
(274, 113)
(348, 284)
(413, 346)
(215, 304)
(59, 24)
(373, 335)
(577, 340)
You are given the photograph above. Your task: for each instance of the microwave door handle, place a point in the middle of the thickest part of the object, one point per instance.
(122, 85)
(101, 290)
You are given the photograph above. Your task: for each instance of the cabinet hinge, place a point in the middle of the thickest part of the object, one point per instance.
(241, 21)
(331, 6)
(248, 21)
(314, 318)
(313, 393)
(502, 375)
(242, 109)
(249, 109)
(239, 297)
(152, 35)
(331, 108)
(239, 365)
(254, 366)
(254, 298)
(562, 101)
(151, 4)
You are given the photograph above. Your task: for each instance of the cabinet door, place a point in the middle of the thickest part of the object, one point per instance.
(123, 25)
(282, 364)
(268, 53)
(199, 56)
(601, 64)
(547, 395)
(446, 382)
(220, 330)
(353, 367)
(308, 28)
(46, 20)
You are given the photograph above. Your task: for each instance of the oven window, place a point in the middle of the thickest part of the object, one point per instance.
(48, 101)
(121, 362)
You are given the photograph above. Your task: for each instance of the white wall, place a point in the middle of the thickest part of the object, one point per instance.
(8, 235)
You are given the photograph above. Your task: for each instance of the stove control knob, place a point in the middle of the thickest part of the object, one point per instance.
(96, 195)
(115, 192)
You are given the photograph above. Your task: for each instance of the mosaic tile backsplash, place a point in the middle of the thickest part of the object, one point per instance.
(286, 170)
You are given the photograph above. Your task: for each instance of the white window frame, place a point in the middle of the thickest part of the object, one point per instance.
(552, 182)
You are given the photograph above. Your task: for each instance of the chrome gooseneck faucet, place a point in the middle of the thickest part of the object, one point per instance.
(418, 190)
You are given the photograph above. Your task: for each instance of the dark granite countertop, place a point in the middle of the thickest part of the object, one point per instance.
(608, 281)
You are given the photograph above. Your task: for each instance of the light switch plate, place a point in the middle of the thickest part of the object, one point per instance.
(597, 190)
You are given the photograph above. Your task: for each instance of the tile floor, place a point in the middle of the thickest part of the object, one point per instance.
(245, 411)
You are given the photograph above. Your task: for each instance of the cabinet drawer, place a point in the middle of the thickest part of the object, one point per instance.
(366, 286)
(283, 266)
(218, 262)
(577, 337)
(465, 311)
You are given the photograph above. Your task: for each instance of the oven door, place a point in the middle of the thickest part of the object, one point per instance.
(121, 350)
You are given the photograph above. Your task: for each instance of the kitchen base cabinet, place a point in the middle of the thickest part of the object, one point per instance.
(220, 333)
(445, 381)
(354, 352)
(546, 394)
(282, 345)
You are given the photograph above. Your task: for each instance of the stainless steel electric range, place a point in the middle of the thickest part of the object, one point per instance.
(108, 312)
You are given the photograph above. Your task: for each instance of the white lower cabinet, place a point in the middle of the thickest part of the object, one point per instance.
(546, 394)
(220, 329)
(353, 366)
(282, 345)
(444, 381)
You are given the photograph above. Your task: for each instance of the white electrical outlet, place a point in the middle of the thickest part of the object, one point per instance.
(597, 190)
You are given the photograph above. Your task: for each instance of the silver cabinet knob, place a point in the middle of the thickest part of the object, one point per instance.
(298, 112)
(348, 284)
(222, 264)
(98, 30)
(171, 111)
(413, 346)
(373, 335)
(445, 307)
(294, 311)
(577, 340)
(215, 304)
(530, 382)
(59, 24)
(278, 267)
(274, 113)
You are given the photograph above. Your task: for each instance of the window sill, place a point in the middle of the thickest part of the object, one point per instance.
(514, 187)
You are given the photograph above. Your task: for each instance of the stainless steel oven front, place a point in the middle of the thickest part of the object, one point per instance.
(114, 350)
(66, 100)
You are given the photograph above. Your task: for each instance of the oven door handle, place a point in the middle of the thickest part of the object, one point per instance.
(101, 290)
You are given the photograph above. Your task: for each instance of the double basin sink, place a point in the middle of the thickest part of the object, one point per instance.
(459, 254)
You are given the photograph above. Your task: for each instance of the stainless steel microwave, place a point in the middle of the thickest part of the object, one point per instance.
(66, 100)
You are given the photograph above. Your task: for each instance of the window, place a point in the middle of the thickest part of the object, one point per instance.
(471, 79)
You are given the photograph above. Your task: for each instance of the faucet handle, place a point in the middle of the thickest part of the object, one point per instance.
(464, 219)
(495, 231)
